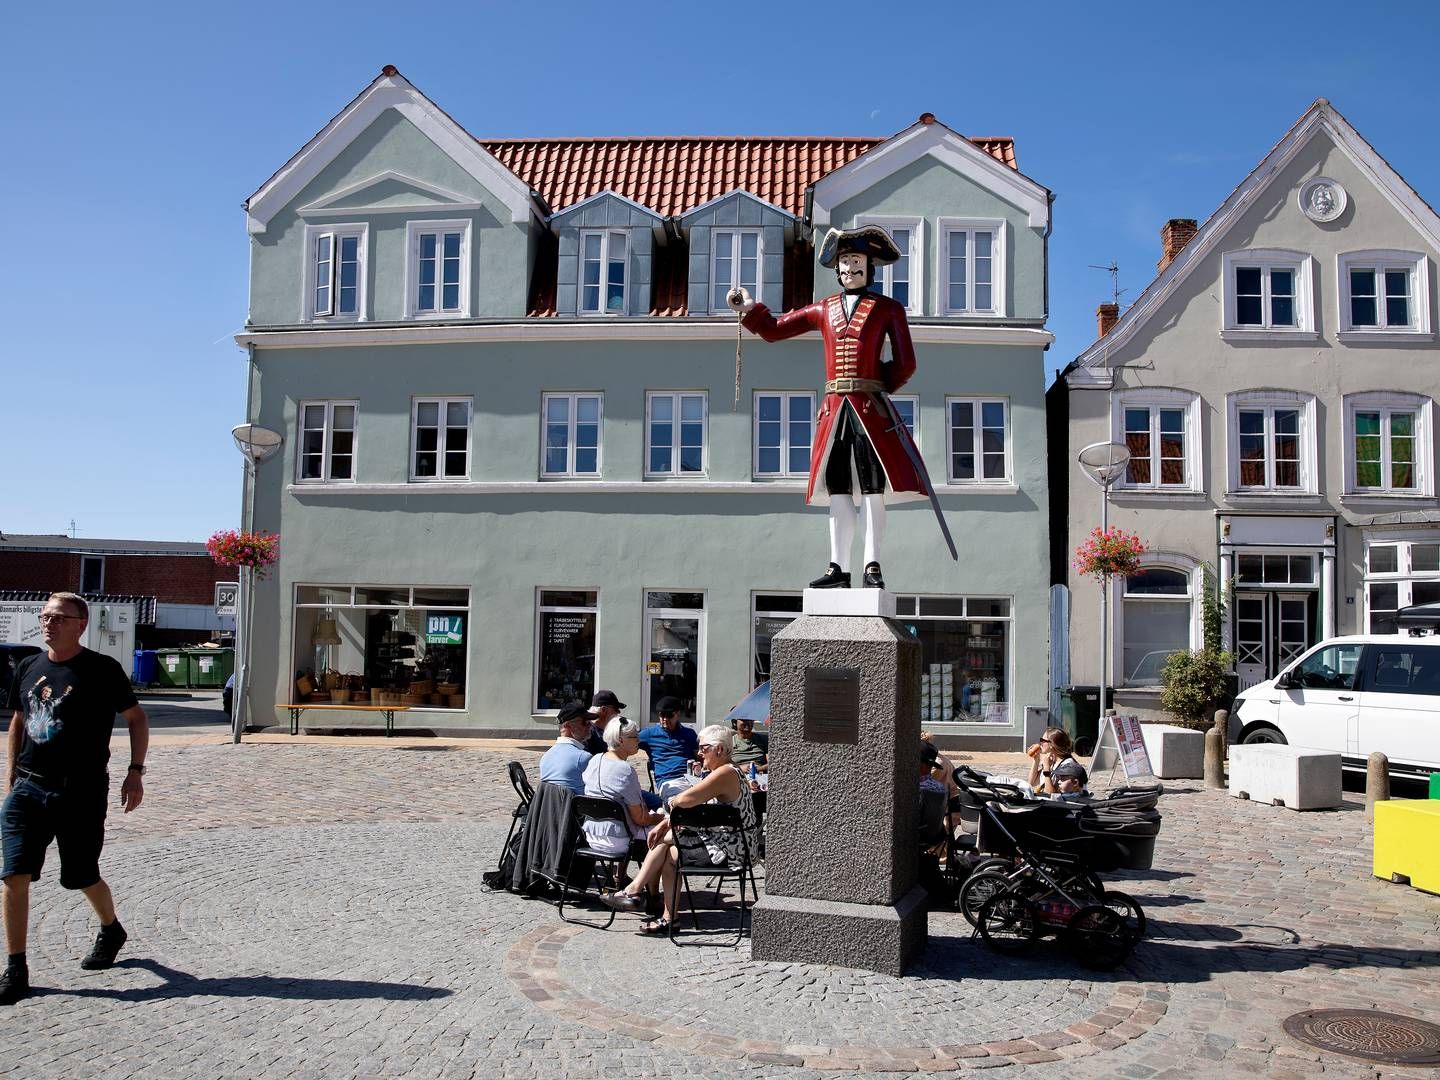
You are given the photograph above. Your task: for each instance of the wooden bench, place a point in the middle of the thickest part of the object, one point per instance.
(1407, 842)
(296, 708)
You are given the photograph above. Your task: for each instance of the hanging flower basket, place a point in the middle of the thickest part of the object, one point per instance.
(230, 547)
(1109, 553)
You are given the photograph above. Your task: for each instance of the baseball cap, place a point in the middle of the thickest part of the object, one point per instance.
(606, 697)
(573, 710)
(928, 752)
(1070, 769)
(667, 706)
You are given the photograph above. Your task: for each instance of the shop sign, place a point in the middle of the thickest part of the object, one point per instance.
(445, 629)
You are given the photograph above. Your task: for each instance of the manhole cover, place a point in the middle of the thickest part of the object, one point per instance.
(1372, 1036)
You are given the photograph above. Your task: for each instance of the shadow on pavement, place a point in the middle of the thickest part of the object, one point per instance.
(180, 984)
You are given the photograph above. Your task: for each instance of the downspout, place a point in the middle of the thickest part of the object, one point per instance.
(241, 698)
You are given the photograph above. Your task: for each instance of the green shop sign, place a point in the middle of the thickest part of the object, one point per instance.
(444, 629)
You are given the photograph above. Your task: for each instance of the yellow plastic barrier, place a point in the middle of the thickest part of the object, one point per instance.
(1407, 842)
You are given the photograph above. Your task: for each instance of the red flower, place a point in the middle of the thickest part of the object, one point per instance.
(1109, 553)
(230, 547)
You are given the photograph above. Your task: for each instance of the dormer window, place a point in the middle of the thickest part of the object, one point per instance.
(603, 275)
(334, 272)
(439, 275)
(735, 259)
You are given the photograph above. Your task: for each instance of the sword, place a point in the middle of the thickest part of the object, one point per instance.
(914, 455)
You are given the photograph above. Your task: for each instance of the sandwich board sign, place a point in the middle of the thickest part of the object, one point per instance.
(227, 598)
(1122, 742)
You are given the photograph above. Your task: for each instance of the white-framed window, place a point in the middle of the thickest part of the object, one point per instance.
(327, 442)
(1388, 444)
(1157, 618)
(1384, 292)
(570, 434)
(737, 259)
(1159, 429)
(977, 438)
(440, 438)
(567, 627)
(335, 272)
(603, 271)
(903, 280)
(1399, 572)
(967, 649)
(439, 269)
(972, 266)
(784, 432)
(1271, 442)
(1268, 291)
(770, 612)
(908, 406)
(676, 426)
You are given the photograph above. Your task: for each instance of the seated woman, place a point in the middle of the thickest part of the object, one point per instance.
(1046, 756)
(611, 776)
(724, 784)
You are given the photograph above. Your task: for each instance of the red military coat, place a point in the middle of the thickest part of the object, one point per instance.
(853, 350)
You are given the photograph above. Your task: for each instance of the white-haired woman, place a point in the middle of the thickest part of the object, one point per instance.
(724, 783)
(611, 776)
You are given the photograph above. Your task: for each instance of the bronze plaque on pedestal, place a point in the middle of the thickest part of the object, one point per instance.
(832, 705)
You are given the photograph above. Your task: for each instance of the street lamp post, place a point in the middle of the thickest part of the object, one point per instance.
(1104, 462)
(257, 444)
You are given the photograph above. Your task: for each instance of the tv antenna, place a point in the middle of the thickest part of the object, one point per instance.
(72, 528)
(1114, 271)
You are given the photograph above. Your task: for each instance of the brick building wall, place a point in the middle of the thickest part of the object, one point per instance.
(171, 579)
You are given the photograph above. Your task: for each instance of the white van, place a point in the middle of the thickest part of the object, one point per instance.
(1354, 695)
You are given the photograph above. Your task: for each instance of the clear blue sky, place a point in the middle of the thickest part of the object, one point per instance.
(131, 140)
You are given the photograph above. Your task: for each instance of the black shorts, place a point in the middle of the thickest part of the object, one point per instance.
(73, 817)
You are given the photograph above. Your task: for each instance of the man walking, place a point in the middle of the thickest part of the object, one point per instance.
(65, 700)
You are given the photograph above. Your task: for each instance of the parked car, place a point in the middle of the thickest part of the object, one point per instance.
(10, 655)
(1354, 695)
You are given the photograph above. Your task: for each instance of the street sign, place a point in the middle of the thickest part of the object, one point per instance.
(227, 598)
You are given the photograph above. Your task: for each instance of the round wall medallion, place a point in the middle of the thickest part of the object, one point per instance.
(1322, 199)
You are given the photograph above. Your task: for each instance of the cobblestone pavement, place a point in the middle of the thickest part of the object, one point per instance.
(308, 908)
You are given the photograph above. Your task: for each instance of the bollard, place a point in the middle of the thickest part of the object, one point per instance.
(1377, 783)
(1215, 757)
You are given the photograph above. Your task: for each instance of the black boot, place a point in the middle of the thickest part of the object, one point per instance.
(873, 578)
(14, 983)
(833, 578)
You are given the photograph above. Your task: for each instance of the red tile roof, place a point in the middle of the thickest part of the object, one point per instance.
(673, 175)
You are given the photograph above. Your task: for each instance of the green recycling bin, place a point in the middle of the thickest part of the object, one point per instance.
(173, 668)
(1080, 715)
(209, 668)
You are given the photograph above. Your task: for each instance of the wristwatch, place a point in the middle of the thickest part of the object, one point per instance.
(1044, 772)
(136, 768)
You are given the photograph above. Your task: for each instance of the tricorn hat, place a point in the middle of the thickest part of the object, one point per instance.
(869, 240)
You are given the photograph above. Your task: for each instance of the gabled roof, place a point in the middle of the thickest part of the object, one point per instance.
(607, 193)
(1321, 117)
(673, 175)
(390, 90)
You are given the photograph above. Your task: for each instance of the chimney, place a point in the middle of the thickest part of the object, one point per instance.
(1107, 315)
(1174, 235)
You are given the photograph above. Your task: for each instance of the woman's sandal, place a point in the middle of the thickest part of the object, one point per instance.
(654, 927)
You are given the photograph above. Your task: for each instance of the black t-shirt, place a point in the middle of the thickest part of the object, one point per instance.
(68, 711)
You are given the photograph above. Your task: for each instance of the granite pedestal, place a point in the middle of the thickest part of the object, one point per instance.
(841, 841)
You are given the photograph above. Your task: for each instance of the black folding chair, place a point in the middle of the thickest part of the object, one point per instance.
(697, 820)
(587, 808)
(521, 783)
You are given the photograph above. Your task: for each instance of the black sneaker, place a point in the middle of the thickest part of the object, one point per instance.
(107, 946)
(14, 985)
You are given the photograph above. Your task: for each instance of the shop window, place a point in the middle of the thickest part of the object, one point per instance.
(769, 614)
(1398, 574)
(966, 652)
(566, 621)
(361, 644)
(1157, 617)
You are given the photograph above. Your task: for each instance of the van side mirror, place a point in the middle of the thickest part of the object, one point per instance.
(1285, 681)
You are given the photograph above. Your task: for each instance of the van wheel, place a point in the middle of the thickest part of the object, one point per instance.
(1263, 734)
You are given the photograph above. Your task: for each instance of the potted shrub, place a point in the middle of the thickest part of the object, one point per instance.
(1195, 685)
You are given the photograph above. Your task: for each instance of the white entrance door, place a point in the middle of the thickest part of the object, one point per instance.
(674, 655)
(1292, 627)
(1252, 637)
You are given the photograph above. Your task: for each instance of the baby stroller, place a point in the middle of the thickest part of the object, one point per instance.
(1053, 851)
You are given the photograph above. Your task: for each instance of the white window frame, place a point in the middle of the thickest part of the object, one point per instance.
(908, 610)
(914, 401)
(359, 231)
(916, 225)
(443, 403)
(537, 645)
(979, 481)
(1387, 402)
(413, 231)
(1405, 577)
(1155, 400)
(1155, 560)
(675, 397)
(327, 453)
(999, 247)
(1267, 259)
(1381, 260)
(736, 231)
(1269, 401)
(757, 612)
(573, 412)
(605, 237)
(785, 396)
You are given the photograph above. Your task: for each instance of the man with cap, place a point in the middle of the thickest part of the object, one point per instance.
(605, 706)
(862, 453)
(670, 745)
(564, 763)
